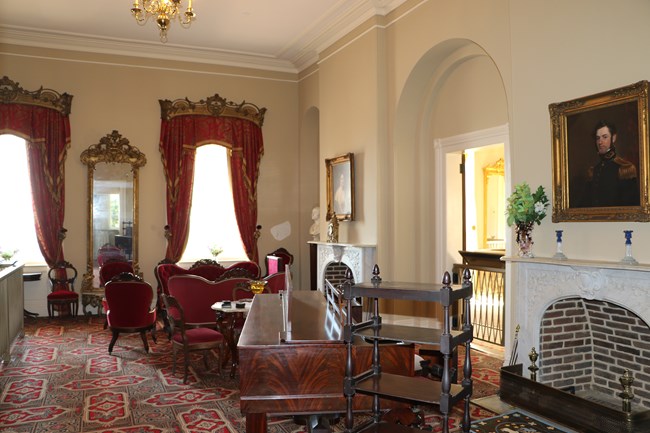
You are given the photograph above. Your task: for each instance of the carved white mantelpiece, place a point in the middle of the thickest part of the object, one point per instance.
(359, 258)
(539, 282)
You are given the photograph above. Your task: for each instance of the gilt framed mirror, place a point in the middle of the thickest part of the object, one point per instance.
(112, 230)
(494, 210)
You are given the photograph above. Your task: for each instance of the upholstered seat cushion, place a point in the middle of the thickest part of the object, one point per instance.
(119, 319)
(63, 294)
(198, 336)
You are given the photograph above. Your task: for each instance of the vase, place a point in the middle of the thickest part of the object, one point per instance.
(525, 239)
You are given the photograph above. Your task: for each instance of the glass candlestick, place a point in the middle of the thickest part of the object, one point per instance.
(628, 259)
(559, 255)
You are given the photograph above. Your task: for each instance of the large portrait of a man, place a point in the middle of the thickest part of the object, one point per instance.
(600, 156)
(340, 187)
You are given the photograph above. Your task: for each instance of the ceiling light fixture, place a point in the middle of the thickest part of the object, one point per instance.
(164, 11)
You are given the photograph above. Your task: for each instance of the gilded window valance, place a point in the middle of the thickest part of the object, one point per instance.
(12, 93)
(212, 106)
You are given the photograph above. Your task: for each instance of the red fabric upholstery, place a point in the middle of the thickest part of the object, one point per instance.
(209, 272)
(198, 336)
(196, 295)
(109, 253)
(274, 264)
(129, 304)
(252, 267)
(63, 297)
(275, 282)
(111, 269)
(63, 294)
(190, 338)
(129, 309)
(277, 260)
(167, 270)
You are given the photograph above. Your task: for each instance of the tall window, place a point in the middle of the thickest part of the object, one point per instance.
(17, 230)
(212, 218)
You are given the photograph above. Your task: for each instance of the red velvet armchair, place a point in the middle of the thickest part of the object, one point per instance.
(129, 308)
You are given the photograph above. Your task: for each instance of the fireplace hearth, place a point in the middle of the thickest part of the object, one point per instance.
(584, 414)
(588, 321)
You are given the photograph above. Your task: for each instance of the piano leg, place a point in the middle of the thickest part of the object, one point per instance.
(256, 423)
(318, 424)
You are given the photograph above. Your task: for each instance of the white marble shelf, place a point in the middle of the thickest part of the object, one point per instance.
(602, 264)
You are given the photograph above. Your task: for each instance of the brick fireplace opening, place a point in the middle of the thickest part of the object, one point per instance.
(335, 273)
(586, 345)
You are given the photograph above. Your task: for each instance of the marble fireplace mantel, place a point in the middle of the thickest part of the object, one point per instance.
(539, 282)
(359, 258)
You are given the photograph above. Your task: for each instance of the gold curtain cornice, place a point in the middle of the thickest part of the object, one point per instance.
(12, 93)
(213, 106)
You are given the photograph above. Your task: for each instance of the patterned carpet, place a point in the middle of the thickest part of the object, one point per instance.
(61, 378)
(517, 421)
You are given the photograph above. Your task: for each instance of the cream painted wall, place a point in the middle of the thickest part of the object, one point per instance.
(348, 102)
(540, 52)
(111, 92)
(310, 167)
(471, 98)
(590, 47)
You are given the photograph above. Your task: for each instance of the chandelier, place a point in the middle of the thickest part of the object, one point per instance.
(164, 11)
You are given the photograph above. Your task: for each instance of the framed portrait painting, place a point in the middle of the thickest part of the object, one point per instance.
(340, 187)
(600, 156)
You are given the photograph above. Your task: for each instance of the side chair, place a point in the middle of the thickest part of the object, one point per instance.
(62, 277)
(129, 308)
(197, 295)
(190, 339)
(276, 261)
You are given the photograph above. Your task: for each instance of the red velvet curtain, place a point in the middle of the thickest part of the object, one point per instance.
(179, 138)
(47, 132)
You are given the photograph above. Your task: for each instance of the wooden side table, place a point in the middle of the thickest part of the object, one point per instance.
(227, 318)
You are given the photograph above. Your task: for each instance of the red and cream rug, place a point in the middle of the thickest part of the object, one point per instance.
(62, 379)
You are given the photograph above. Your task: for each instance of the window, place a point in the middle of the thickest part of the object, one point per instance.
(114, 200)
(17, 230)
(212, 218)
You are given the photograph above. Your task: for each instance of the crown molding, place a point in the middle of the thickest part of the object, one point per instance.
(298, 55)
(93, 44)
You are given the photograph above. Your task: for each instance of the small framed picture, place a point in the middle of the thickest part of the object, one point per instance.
(340, 187)
(600, 156)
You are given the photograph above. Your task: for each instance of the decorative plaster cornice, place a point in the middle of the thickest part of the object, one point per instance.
(299, 53)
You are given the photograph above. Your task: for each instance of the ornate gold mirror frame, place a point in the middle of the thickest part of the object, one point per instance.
(112, 167)
(494, 210)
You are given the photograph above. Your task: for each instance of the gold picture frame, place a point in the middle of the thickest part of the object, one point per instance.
(340, 187)
(591, 183)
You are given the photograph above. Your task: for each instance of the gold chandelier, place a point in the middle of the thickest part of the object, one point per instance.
(164, 11)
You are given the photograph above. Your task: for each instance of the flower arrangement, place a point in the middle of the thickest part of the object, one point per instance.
(215, 250)
(7, 255)
(526, 207)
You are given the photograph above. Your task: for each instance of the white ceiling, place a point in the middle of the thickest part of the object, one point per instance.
(282, 35)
